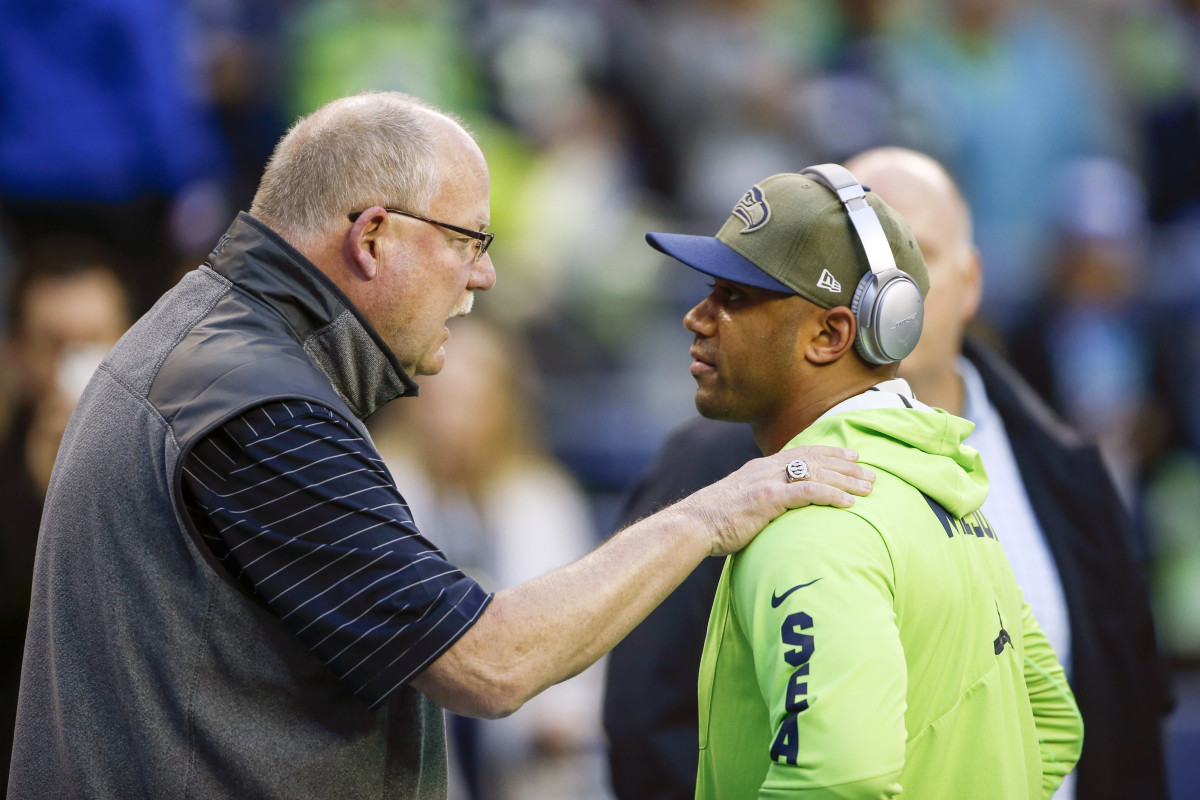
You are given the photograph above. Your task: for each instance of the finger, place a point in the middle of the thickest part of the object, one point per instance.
(812, 450)
(804, 493)
(834, 458)
(843, 474)
(849, 469)
(839, 478)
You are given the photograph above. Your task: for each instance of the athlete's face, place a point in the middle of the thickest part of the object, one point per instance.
(746, 353)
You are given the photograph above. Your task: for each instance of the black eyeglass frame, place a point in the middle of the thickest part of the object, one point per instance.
(483, 238)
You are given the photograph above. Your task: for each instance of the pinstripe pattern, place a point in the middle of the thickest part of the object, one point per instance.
(302, 511)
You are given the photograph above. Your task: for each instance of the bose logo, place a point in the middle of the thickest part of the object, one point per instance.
(910, 318)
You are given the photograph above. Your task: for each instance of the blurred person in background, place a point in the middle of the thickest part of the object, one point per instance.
(712, 82)
(424, 48)
(1055, 507)
(242, 55)
(585, 290)
(67, 307)
(481, 484)
(107, 131)
(1005, 94)
(338, 47)
(1088, 345)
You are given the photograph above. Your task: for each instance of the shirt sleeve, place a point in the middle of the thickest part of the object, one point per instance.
(816, 603)
(301, 510)
(1055, 714)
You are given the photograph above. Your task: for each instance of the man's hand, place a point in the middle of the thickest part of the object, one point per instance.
(737, 507)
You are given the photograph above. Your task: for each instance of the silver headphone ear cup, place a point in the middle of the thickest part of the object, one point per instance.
(862, 306)
(889, 318)
(899, 316)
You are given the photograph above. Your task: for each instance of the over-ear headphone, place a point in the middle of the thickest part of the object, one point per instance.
(887, 302)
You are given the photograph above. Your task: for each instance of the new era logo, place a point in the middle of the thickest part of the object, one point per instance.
(827, 281)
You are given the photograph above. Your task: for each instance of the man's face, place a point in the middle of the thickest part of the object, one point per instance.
(745, 352)
(431, 272)
(64, 314)
(953, 286)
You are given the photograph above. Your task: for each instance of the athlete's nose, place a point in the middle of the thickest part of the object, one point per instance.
(700, 319)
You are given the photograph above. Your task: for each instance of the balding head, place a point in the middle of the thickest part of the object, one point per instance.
(926, 196)
(378, 148)
(921, 190)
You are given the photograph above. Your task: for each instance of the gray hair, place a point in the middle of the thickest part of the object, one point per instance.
(375, 148)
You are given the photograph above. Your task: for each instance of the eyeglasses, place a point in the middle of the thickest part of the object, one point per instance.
(482, 240)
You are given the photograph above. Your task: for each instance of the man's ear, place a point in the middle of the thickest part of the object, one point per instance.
(834, 337)
(360, 247)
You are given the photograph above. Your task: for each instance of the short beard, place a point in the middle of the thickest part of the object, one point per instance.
(714, 409)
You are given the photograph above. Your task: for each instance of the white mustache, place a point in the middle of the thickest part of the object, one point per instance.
(464, 306)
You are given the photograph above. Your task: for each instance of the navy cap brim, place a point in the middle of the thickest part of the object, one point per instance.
(713, 257)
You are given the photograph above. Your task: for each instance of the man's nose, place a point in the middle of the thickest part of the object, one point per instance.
(700, 319)
(483, 274)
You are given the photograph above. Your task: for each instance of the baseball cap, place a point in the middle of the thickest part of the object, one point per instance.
(790, 233)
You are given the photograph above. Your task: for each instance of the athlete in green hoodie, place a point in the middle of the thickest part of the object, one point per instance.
(883, 648)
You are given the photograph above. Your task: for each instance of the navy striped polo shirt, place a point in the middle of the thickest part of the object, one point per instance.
(302, 511)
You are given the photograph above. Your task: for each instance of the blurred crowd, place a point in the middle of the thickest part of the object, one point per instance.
(132, 131)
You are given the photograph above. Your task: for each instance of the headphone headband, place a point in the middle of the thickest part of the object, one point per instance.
(862, 216)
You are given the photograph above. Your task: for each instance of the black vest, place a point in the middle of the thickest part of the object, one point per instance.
(148, 672)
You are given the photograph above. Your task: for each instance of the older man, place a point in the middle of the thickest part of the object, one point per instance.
(1062, 525)
(230, 598)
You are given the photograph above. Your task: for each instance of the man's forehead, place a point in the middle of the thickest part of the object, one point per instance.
(465, 196)
(921, 193)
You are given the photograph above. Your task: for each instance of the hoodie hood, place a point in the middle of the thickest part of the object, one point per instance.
(922, 446)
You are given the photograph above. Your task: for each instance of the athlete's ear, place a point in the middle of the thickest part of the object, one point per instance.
(360, 246)
(835, 329)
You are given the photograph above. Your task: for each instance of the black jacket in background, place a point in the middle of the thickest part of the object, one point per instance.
(1120, 682)
(650, 707)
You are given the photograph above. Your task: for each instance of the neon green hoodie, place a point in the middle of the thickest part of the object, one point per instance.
(883, 648)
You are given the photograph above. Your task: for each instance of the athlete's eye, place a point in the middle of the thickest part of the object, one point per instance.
(727, 291)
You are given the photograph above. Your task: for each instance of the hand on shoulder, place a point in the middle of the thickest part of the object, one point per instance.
(737, 507)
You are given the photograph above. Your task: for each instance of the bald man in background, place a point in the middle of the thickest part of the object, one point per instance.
(1052, 502)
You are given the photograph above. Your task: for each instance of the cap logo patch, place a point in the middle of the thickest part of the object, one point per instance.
(827, 281)
(752, 209)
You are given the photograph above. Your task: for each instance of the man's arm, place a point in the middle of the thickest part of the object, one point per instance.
(548, 629)
(1055, 714)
